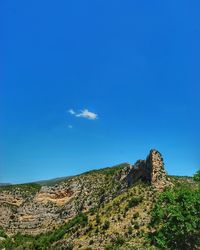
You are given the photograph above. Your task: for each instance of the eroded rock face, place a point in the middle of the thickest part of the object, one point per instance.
(34, 213)
(51, 206)
(150, 170)
(156, 171)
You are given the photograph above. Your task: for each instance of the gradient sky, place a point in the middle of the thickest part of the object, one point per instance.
(90, 84)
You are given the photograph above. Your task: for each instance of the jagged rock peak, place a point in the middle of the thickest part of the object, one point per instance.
(155, 167)
(150, 170)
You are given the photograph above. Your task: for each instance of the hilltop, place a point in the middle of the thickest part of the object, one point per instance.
(108, 208)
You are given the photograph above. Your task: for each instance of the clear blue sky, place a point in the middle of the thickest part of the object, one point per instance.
(89, 84)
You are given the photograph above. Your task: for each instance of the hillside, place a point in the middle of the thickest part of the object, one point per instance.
(108, 208)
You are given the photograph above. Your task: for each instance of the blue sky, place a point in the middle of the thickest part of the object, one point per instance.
(90, 84)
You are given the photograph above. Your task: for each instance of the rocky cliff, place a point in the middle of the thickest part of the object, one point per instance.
(35, 209)
(150, 170)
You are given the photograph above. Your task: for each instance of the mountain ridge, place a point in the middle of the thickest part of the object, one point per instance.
(48, 206)
(89, 209)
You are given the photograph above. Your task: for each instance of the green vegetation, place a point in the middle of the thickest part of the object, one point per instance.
(118, 242)
(139, 217)
(108, 170)
(44, 241)
(2, 233)
(176, 219)
(98, 219)
(32, 188)
(197, 176)
(134, 201)
(106, 225)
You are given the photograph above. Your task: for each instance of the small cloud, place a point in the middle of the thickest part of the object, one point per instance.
(85, 114)
(70, 126)
(72, 112)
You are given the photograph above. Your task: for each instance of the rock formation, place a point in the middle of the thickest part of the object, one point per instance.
(150, 170)
(156, 171)
(25, 211)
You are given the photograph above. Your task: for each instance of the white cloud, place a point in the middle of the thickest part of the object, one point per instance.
(72, 112)
(85, 114)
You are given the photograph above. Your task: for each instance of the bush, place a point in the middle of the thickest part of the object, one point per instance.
(134, 201)
(136, 215)
(98, 219)
(2, 233)
(91, 242)
(69, 246)
(118, 242)
(136, 225)
(197, 176)
(130, 230)
(176, 219)
(106, 225)
(93, 210)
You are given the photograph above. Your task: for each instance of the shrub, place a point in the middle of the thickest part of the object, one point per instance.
(91, 242)
(98, 219)
(69, 246)
(197, 176)
(130, 230)
(93, 210)
(176, 219)
(106, 225)
(119, 241)
(136, 225)
(136, 215)
(2, 233)
(97, 230)
(134, 201)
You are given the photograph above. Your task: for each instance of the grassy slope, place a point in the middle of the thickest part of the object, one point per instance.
(120, 223)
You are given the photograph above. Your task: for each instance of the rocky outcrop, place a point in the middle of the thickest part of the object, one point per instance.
(36, 212)
(156, 171)
(51, 206)
(150, 170)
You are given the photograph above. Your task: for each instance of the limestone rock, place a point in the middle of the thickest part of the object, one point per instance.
(51, 206)
(150, 170)
(156, 171)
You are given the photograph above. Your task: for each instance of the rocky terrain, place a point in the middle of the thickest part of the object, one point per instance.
(116, 201)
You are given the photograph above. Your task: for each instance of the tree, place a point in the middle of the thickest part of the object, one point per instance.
(175, 222)
(197, 176)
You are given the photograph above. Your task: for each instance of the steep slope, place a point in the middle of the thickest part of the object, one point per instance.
(33, 209)
(94, 209)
